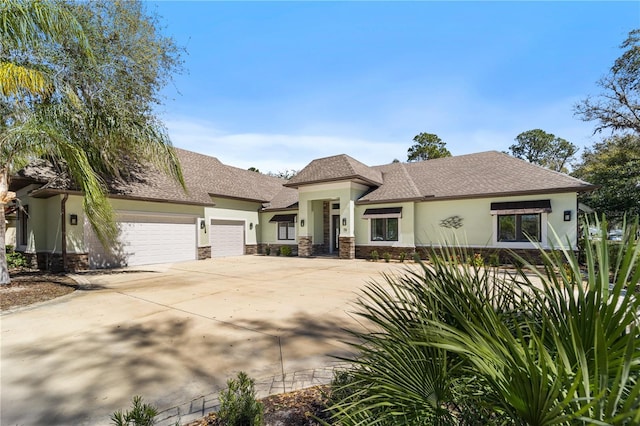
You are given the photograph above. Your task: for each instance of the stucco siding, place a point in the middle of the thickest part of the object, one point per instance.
(478, 225)
(245, 211)
(405, 225)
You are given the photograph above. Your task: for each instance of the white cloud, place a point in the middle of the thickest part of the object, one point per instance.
(274, 152)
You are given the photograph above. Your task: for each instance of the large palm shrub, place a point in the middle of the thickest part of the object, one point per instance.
(450, 343)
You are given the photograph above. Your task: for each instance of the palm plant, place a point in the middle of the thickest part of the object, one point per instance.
(535, 347)
(89, 114)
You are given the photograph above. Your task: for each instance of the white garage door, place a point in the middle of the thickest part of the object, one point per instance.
(226, 238)
(147, 239)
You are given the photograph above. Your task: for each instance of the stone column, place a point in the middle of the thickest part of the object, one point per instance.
(305, 246)
(347, 247)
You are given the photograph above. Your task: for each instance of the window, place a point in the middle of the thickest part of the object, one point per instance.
(384, 229)
(286, 230)
(22, 218)
(519, 227)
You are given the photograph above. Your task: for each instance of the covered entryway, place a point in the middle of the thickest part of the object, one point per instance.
(226, 238)
(146, 239)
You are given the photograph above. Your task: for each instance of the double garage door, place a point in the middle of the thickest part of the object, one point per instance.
(145, 240)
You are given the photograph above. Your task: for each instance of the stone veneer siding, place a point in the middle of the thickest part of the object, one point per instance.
(364, 252)
(45, 261)
(261, 248)
(204, 252)
(326, 230)
(347, 247)
(251, 249)
(305, 246)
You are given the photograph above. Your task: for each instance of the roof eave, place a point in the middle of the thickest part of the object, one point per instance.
(48, 192)
(231, 197)
(340, 179)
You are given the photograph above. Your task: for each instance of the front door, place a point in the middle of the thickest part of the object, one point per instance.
(335, 228)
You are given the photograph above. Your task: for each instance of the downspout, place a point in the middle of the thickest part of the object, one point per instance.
(63, 228)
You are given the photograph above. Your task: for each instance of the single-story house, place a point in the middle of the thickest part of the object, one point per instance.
(336, 205)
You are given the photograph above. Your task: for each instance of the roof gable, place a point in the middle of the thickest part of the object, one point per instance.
(335, 168)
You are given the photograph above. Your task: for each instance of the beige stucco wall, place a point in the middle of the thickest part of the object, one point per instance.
(245, 211)
(269, 230)
(478, 224)
(44, 225)
(310, 207)
(10, 232)
(405, 226)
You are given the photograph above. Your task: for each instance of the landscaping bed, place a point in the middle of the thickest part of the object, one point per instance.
(298, 408)
(31, 286)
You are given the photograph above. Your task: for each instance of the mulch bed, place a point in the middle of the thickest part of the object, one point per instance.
(29, 286)
(298, 408)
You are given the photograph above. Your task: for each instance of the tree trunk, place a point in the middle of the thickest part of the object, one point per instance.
(4, 199)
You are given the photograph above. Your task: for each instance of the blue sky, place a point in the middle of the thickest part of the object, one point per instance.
(274, 85)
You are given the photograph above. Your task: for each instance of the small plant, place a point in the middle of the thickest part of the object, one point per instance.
(15, 259)
(494, 260)
(267, 250)
(402, 256)
(477, 260)
(141, 414)
(374, 256)
(285, 251)
(416, 257)
(387, 256)
(238, 403)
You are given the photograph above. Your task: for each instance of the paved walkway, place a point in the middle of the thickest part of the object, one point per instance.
(175, 334)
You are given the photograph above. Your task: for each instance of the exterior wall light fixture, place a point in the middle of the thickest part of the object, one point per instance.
(73, 219)
(250, 225)
(344, 221)
(567, 215)
(301, 223)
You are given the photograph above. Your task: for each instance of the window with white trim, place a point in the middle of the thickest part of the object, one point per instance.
(384, 229)
(286, 230)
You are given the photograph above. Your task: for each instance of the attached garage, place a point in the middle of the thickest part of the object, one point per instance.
(146, 239)
(226, 238)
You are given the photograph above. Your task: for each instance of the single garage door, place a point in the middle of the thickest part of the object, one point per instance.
(147, 239)
(226, 238)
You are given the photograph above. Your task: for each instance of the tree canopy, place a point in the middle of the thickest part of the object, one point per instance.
(79, 82)
(427, 146)
(618, 106)
(544, 149)
(614, 165)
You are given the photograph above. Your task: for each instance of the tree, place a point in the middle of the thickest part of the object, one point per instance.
(284, 174)
(544, 149)
(614, 165)
(618, 106)
(78, 82)
(427, 146)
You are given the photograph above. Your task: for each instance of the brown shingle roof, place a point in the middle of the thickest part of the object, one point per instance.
(335, 168)
(472, 175)
(204, 177)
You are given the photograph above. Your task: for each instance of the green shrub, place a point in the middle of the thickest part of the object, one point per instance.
(402, 256)
(238, 403)
(494, 260)
(267, 250)
(454, 344)
(477, 260)
(285, 251)
(416, 257)
(374, 255)
(141, 414)
(15, 259)
(387, 256)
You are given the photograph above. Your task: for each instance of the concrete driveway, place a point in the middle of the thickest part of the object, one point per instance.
(174, 332)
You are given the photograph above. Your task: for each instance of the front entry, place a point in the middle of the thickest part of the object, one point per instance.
(335, 236)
